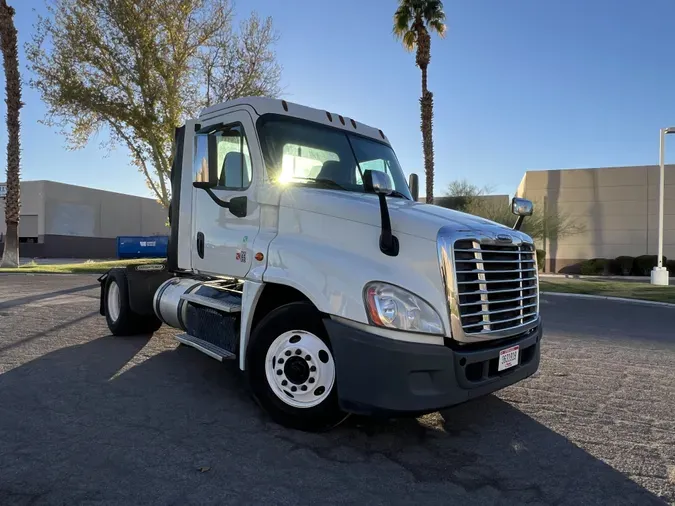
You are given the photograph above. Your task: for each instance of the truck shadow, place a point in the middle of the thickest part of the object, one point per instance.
(79, 423)
(44, 296)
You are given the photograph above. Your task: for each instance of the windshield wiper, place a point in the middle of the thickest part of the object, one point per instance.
(398, 194)
(330, 183)
(326, 183)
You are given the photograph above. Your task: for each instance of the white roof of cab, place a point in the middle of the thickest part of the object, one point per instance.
(263, 105)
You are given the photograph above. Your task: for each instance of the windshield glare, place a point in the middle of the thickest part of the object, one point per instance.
(303, 152)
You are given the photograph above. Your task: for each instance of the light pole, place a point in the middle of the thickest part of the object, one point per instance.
(660, 273)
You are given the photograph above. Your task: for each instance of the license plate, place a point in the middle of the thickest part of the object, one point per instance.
(508, 358)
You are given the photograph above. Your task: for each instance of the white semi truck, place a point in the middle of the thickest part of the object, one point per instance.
(298, 249)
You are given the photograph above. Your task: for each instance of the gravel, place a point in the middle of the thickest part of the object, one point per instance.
(86, 418)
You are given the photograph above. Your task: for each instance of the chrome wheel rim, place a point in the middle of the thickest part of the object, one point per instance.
(114, 302)
(300, 369)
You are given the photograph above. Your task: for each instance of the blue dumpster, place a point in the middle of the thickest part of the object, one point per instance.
(142, 246)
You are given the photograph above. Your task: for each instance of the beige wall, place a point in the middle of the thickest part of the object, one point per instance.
(51, 208)
(78, 211)
(31, 221)
(618, 207)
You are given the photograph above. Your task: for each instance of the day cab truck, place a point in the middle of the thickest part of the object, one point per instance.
(299, 250)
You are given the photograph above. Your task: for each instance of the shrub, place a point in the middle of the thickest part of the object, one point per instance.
(613, 268)
(644, 264)
(625, 265)
(670, 265)
(593, 267)
(541, 259)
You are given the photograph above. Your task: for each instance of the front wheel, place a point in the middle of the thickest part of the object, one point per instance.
(291, 369)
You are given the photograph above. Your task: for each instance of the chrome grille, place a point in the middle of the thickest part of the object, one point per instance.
(496, 285)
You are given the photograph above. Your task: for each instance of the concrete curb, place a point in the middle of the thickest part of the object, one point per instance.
(628, 279)
(615, 299)
(51, 273)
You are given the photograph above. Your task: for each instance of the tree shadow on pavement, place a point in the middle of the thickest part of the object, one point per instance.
(81, 425)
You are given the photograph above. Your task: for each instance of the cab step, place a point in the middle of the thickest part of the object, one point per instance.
(227, 304)
(205, 347)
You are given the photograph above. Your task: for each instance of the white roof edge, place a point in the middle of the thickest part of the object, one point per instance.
(264, 105)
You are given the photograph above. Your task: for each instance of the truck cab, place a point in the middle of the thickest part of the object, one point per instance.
(299, 250)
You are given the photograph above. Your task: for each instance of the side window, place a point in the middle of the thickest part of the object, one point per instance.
(222, 157)
(233, 168)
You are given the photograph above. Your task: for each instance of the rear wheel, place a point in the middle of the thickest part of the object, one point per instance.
(122, 321)
(291, 369)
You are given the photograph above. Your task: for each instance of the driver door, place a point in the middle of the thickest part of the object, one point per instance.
(228, 157)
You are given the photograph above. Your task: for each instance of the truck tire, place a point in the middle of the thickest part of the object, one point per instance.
(122, 321)
(291, 371)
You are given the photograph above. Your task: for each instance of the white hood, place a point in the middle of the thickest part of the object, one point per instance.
(413, 218)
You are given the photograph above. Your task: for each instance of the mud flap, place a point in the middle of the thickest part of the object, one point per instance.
(102, 279)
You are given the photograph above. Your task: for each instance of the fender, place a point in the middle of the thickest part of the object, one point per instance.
(142, 282)
(249, 301)
(332, 272)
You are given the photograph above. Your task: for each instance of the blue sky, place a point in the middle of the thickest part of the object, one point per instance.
(518, 85)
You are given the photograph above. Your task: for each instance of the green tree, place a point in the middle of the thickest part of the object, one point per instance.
(464, 194)
(139, 68)
(10, 60)
(412, 22)
(549, 224)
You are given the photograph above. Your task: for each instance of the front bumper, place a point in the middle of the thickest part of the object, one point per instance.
(377, 375)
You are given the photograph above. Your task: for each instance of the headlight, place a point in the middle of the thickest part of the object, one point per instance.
(395, 308)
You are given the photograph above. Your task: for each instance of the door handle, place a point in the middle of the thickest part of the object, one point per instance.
(200, 244)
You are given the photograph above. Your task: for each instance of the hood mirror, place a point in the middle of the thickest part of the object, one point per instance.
(521, 208)
(379, 183)
(376, 181)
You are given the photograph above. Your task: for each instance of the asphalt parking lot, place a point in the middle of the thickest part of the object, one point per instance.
(86, 418)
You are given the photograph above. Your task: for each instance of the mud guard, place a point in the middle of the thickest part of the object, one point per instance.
(143, 281)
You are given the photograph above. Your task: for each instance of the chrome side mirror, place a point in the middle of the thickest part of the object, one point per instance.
(376, 181)
(522, 207)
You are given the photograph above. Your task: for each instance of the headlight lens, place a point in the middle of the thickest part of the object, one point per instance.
(395, 308)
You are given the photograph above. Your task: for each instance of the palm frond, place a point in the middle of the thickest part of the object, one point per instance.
(429, 7)
(409, 40)
(431, 11)
(402, 20)
(439, 27)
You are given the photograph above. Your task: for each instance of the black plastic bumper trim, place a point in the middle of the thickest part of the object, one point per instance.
(377, 375)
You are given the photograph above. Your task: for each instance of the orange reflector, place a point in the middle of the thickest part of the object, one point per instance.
(259, 256)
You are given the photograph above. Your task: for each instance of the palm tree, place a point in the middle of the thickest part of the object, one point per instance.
(412, 22)
(10, 59)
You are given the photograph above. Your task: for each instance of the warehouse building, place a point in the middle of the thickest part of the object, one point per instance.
(66, 221)
(617, 208)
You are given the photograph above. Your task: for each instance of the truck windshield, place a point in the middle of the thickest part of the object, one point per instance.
(303, 152)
